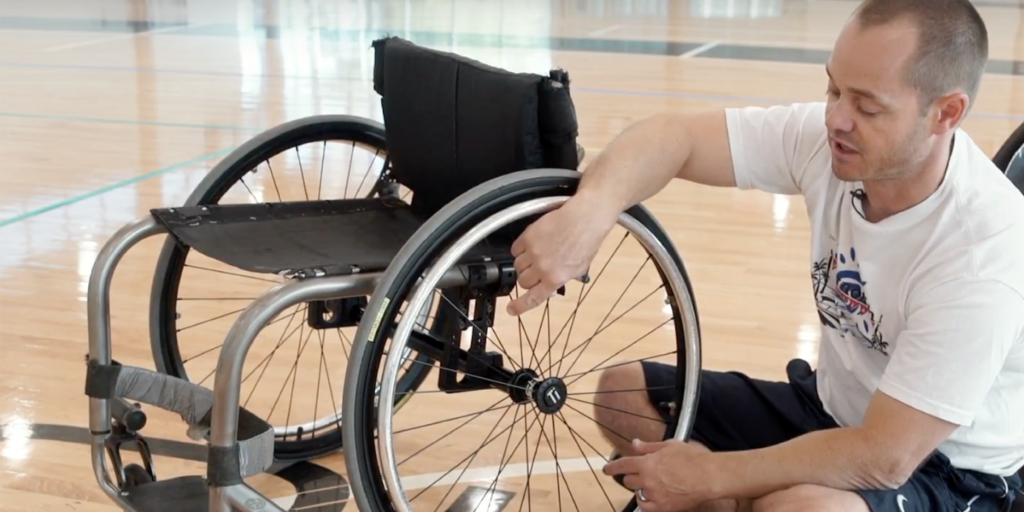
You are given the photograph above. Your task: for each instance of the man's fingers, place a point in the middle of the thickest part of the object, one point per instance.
(633, 482)
(531, 299)
(519, 246)
(623, 466)
(522, 262)
(529, 278)
(643, 448)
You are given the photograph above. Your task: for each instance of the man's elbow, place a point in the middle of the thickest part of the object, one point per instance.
(895, 470)
(895, 473)
(889, 467)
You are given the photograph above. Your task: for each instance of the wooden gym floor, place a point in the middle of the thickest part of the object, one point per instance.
(110, 108)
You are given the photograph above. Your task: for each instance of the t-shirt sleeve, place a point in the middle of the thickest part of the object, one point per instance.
(772, 147)
(957, 339)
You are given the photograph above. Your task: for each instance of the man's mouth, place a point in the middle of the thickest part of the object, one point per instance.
(842, 148)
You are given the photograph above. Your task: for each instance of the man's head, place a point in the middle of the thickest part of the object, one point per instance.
(902, 76)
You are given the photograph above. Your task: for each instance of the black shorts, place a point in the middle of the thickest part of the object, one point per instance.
(736, 412)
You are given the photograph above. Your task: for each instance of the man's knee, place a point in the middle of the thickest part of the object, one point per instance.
(623, 409)
(618, 386)
(811, 497)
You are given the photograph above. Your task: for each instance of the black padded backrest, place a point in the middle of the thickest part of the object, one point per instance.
(1015, 170)
(453, 123)
(1010, 157)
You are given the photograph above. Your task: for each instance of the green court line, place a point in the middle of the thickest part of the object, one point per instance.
(130, 121)
(108, 188)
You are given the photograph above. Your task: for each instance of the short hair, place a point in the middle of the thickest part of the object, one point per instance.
(952, 44)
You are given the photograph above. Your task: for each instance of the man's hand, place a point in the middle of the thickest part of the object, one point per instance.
(559, 247)
(674, 476)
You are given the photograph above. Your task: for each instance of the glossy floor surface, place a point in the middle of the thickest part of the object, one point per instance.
(111, 108)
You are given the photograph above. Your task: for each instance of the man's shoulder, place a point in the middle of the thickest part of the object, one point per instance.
(978, 227)
(982, 205)
(781, 149)
(805, 117)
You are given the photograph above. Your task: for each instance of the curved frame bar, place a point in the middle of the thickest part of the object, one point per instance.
(227, 385)
(228, 380)
(98, 308)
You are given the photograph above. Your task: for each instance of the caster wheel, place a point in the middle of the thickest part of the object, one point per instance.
(136, 475)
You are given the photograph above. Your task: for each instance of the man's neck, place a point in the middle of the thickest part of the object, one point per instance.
(887, 197)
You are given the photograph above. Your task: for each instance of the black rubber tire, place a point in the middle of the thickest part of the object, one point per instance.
(217, 182)
(136, 475)
(419, 252)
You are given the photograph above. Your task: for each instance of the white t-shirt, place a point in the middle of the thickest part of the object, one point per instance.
(927, 305)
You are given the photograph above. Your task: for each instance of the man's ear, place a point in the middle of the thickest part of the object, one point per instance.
(949, 111)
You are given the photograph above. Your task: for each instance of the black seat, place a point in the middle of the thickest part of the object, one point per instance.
(451, 123)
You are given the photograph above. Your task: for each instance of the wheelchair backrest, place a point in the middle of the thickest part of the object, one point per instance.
(452, 122)
(1015, 170)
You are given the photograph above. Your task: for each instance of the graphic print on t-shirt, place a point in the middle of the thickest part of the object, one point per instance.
(841, 298)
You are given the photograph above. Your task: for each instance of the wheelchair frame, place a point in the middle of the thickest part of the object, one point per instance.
(227, 383)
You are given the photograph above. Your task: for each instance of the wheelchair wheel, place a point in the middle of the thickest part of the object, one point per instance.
(1010, 157)
(542, 373)
(195, 299)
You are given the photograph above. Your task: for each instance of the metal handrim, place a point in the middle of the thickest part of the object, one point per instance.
(452, 255)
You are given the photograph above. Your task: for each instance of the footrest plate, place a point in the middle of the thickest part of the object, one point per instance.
(173, 495)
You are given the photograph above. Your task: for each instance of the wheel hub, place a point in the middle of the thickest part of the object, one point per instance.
(519, 385)
(549, 394)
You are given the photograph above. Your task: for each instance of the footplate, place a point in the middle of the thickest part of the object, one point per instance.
(173, 495)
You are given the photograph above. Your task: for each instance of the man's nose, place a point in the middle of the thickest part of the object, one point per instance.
(838, 118)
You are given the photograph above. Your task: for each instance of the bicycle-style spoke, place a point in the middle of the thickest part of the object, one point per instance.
(478, 329)
(546, 380)
(659, 420)
(576, 437)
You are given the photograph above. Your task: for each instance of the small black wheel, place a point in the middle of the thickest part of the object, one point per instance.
(136, 475)
(540, 376)
(294, 372)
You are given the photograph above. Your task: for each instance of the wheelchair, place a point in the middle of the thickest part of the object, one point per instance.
(416, 261)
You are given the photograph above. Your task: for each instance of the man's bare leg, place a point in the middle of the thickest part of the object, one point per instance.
(624, 412)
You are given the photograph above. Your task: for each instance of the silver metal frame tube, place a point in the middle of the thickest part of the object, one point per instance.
(228, 380)
(243, 497)
(98, 308)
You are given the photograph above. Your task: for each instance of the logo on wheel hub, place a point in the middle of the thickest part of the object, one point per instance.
(550, 395)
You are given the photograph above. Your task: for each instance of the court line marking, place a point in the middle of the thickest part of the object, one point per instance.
(486, 474)
(118, 37)
(112, 186)
(700, 49)
(170, 124)
(585, 90)
(603, 31)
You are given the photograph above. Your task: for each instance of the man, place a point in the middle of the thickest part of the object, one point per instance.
(917, 403)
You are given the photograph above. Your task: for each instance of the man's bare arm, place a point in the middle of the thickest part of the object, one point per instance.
(882, 453)
(640, 162)
(645, 157)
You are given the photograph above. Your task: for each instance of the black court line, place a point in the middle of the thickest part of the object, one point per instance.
(448, 39)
